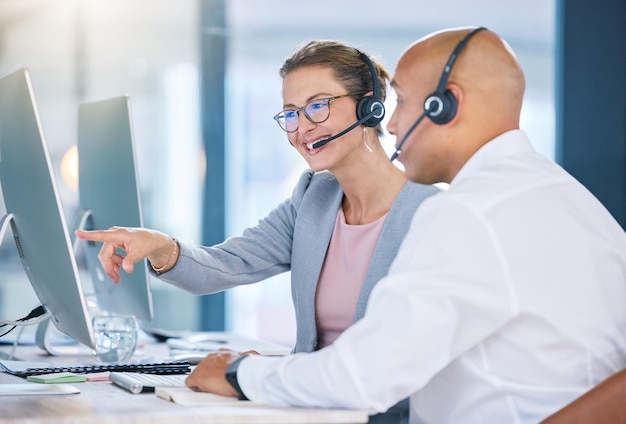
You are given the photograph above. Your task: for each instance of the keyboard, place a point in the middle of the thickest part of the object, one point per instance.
(136, 382)
(24, 369)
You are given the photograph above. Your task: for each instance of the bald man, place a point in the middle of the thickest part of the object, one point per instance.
(506, 299)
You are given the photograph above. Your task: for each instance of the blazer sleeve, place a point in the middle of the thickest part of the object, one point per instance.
(260, 252)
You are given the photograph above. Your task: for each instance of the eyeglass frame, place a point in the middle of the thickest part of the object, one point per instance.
(327, 100)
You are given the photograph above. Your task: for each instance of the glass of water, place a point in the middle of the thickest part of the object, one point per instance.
(115, 337)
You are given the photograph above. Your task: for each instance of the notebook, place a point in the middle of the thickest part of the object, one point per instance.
(26, 368)
(186, 397)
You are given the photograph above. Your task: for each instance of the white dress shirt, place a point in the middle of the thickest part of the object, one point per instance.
(506, 301)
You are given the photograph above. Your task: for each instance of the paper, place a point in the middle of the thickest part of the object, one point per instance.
(213, 341)
(187, 397)
(98, 376)
(57, 377)
(29, 389)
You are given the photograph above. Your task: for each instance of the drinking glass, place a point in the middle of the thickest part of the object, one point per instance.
(115, 337)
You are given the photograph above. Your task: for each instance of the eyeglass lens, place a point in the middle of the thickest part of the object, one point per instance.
(316, 111)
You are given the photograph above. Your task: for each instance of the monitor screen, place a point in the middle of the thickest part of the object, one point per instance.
(108, 196)
(34, 209)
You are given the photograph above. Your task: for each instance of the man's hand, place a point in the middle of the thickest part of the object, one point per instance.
(210, 374)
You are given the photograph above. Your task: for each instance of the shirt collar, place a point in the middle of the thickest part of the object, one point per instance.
(507, 144)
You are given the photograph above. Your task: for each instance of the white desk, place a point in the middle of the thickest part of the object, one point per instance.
(104, 403)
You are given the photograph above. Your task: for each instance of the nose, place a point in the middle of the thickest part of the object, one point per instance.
(391, 125)
(304, 123)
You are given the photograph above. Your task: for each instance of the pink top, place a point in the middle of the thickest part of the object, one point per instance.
(348, 257)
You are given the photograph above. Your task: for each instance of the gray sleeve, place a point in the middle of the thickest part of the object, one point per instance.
(259, 253)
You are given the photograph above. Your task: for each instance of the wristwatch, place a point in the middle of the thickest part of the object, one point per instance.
(231, 377)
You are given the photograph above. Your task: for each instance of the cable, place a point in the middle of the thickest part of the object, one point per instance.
(16, 342)
(37, 312)
(35, 316)
(8, 331)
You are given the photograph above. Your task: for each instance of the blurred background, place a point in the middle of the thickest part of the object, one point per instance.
(166, 54)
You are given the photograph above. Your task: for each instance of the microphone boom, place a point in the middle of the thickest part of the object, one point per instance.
(323, 142)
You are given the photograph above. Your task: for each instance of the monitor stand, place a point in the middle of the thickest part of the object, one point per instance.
(56, 343)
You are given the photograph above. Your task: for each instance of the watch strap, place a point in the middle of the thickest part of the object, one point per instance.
(231, 377)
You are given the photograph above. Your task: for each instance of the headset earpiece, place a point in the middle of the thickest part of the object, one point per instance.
(369, 109)
(371, 104)
(441, 107)
(367, 105)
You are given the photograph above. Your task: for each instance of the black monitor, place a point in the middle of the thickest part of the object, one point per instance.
(109, 195)
(34, 210)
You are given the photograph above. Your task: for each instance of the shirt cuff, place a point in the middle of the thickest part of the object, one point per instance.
(252, 373)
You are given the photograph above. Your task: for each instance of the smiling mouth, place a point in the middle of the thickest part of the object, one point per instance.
(310, 144)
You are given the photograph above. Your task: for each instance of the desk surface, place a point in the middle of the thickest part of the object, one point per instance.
(101, 402)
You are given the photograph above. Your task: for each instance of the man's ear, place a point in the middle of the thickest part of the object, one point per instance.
(458, 94)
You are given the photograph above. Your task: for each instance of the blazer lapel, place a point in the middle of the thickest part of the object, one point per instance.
(314, 227)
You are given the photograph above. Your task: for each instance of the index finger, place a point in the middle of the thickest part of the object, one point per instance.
(95, 235)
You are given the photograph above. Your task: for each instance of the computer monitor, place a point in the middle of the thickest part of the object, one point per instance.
(109, 195)
(34, 210)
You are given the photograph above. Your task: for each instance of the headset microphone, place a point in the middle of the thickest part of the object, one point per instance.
(361, 121)
(408, 133)
(369, 111)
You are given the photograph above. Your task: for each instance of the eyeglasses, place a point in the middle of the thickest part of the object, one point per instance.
(316, 111)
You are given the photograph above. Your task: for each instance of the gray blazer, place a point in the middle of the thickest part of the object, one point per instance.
(294, 237)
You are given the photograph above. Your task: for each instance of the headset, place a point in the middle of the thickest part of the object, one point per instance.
(440, 106)
(370, 110)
